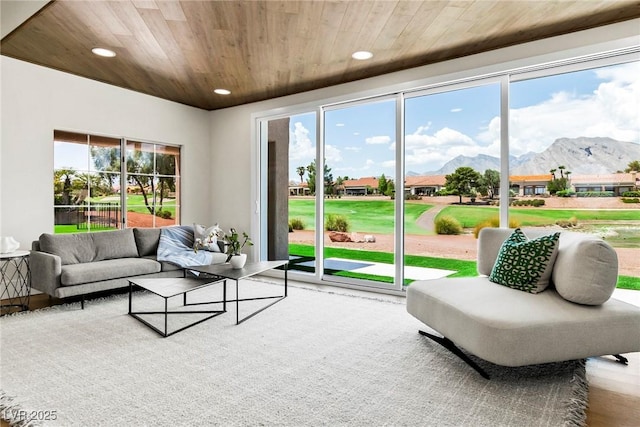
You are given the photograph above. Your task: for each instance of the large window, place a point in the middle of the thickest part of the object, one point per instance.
(153, 184)
(89, 179)
(553, 146)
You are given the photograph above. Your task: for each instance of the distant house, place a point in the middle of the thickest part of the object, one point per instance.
(529, 185)
(426, 185)
(358, 187)
(299, 189)
(618, 183)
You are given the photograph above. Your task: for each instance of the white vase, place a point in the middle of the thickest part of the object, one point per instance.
(238, 261)
(8, 244)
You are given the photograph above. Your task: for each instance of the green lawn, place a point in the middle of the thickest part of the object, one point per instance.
(377, 216)
(135, 203)
(307, 252)
(469, 216)
(365, 216)
(463, 268)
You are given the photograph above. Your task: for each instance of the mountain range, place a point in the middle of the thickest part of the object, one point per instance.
(581, 155)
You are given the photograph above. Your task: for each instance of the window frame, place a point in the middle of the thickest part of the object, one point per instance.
(123, 173)
(439, 83)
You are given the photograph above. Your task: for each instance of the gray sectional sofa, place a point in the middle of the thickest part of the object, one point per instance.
(76, 265)
(573, 318)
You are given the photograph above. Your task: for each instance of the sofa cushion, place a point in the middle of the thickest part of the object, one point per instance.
(147, 240)
(115, 244)
(586, 269)
(77, 274)
(71, 248)
(525, 264)
(164, 265)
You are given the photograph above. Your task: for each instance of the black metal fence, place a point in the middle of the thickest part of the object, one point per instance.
(99, 215)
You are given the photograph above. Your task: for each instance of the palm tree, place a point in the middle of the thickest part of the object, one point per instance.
(562, 168)
(301, 171)
(553, 172)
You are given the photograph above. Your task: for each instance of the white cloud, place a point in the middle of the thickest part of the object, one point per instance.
(354, 149)
(428, 152)
(368, 164)
(456, 110)
(376, 140)
(339, 125)
(332, 154)
(612, 110)
(301, 148)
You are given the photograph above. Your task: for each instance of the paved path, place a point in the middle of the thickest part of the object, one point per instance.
(426, 219)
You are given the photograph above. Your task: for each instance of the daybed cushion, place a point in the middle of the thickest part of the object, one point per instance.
(586, 269)
(71, 248)
(492, 321)
(76, 274)
(114, 244)
(147, 240)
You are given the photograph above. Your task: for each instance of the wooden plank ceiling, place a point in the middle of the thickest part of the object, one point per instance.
(182, 50)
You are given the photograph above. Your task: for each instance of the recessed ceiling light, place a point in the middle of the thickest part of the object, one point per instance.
(362, 55)
(100, 51)
(222, 91)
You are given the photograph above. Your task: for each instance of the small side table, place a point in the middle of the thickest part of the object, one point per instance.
(15, 280)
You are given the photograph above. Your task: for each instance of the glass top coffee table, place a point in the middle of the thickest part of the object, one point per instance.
(171, 287)
(225, 271)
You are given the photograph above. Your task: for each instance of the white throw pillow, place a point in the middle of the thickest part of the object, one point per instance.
(208, 236)
(586, 269)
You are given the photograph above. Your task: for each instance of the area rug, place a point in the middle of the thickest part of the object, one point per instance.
(315, 358)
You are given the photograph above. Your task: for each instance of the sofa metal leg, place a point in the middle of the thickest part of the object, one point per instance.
(449, 345)
(82, 302)
(621, 359)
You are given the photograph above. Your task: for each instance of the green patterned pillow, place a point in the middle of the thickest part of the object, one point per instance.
(525, 264)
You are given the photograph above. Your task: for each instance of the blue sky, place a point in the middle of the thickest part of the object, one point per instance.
(360, 140)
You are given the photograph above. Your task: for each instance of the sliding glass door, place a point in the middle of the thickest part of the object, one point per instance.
(452, 177)
(288, 190)
(359, 192)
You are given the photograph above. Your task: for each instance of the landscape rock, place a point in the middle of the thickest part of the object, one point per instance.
(336, 236)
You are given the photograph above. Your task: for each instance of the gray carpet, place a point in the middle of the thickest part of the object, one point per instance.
(315, 358)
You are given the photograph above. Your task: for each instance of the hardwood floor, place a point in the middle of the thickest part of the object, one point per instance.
(614, 389)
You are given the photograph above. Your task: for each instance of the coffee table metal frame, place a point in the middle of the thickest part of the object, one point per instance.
(171, 287)
(225, 271)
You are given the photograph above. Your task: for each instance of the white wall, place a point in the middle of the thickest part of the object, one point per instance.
(37, 100)
(234, 145)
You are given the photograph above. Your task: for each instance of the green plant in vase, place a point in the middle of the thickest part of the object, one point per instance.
(234, 245)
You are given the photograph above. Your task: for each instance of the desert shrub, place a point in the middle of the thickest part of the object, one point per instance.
(336, 223)
(163, 214)
(528, 202)
(296, 224)
(630, 200)
(631, 193)
(595, 194)
(447, 225)
(564, 223)
(495, 223)
(565, 193)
